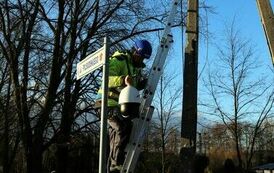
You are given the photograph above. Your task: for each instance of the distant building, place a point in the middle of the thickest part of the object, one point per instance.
(267, 168)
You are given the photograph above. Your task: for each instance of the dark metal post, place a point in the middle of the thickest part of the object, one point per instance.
(189, 114)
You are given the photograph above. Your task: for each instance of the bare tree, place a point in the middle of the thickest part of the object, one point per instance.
(166, 103)
(8, 133)
(265, 141)
(42, 41)
(238, 95)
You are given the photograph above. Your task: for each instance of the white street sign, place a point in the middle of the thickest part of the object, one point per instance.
(91, 63)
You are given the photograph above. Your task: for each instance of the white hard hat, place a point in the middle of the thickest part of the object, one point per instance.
(129, 95)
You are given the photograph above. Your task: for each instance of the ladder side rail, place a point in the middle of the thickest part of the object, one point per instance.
(170, 19)
(169, 23)
(135, 148)
(142, 122)
(138, 123)
(159, 55)
(165, 34)
(166, 31)
(156, 73)
(148, 94)
(144, 105)
(150, 89)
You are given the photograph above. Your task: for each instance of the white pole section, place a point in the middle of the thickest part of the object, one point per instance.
(103, 129)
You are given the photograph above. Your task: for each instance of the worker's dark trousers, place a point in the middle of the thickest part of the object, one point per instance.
(119, 133)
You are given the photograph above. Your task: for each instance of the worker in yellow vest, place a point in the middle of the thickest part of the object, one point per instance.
(125, 68)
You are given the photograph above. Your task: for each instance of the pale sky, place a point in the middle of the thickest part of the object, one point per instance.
(247, 20)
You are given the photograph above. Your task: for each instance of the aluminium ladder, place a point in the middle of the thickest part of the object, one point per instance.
(140, 124)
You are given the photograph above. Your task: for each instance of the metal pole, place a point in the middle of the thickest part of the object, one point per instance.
(103, 131)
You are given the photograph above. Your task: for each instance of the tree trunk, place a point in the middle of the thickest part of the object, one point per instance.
(34, 159)
(6, 160)
(238, 149)
(63, 142)
(62, 158)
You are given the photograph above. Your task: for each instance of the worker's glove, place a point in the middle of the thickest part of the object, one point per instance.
(128, 80)
(142, 84)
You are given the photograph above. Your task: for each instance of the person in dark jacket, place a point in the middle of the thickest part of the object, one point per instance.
(125, 68)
